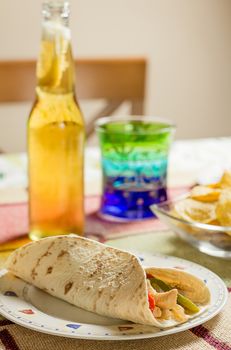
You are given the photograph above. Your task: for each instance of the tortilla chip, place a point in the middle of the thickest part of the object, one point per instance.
(223, 209)
(195, 211)
(205, 194)
(225, 181)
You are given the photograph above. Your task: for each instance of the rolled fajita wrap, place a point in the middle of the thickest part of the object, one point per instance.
(108, 281)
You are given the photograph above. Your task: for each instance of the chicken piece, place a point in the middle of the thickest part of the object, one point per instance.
(157, 312)
(166, 300)
(166, 314)
(179, 314)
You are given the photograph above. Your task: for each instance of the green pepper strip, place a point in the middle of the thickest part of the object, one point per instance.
(181, 299)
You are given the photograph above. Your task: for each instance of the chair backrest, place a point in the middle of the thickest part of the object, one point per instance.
(115, 80)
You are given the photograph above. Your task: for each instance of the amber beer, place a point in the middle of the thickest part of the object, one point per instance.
(55, 134)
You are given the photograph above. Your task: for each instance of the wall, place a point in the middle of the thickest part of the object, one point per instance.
(187, 43)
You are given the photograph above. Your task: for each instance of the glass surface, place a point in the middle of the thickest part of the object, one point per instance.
(134, 153)
(55, 134)
(210, 239)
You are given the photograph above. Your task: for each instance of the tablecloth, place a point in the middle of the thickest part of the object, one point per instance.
(189, 162)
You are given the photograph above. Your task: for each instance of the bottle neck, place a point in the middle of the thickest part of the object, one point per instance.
(55, 67)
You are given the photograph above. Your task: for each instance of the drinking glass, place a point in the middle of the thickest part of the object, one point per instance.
(134, 156)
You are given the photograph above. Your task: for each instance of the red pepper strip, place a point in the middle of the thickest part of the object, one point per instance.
(149, 276)
(151, 301)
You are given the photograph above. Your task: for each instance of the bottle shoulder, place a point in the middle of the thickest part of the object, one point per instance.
(55, 108)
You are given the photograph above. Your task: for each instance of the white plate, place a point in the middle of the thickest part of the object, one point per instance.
(34, 309)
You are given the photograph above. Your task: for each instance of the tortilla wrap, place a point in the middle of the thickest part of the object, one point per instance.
(97, 278)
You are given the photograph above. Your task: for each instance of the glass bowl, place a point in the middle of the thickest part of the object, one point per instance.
(210, 239)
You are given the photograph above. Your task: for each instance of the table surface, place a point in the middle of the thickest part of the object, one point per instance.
(189, 161)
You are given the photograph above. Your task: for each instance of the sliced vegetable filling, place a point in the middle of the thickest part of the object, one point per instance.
(166, 298)
(151, 301)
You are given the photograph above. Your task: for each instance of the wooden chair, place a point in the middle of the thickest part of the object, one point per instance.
(115, 80)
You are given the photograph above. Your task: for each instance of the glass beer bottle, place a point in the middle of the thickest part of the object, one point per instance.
(55, 133)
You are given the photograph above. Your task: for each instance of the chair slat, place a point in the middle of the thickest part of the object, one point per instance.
(114, 80)
(95, 79)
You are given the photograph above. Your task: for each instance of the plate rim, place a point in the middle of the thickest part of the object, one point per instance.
(164, 332)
